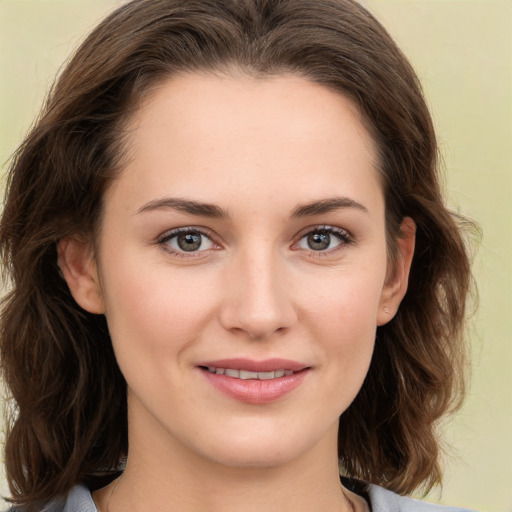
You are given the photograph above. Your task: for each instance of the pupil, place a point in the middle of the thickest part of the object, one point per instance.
(189, 241)
(319, 241)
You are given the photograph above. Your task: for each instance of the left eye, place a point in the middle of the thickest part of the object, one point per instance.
(322, 240)
(188, 241)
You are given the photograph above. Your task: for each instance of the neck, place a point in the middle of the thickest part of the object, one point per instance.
(164, 475)
(188, 487)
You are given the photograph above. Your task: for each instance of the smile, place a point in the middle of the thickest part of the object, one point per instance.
(246, 374)
(254, 382)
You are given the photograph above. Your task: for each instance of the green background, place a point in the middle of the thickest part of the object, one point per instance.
(462, 51)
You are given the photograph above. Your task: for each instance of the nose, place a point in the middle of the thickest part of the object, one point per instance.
(258, 300)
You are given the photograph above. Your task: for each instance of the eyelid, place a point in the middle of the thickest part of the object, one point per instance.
(324, 227)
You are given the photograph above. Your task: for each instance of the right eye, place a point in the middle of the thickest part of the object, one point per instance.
(186, 240)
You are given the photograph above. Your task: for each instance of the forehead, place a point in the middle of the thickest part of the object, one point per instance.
(229, 136)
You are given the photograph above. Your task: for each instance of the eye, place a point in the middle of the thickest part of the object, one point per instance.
(324, 239)
(186, 240)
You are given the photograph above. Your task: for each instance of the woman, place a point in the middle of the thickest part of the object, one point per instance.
(232, 270)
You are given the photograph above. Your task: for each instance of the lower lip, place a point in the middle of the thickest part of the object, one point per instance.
(254, 391)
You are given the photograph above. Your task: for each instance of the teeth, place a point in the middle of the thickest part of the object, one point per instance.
(246, 374)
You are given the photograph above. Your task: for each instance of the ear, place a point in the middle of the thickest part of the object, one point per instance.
(78, 266)
(396, 284)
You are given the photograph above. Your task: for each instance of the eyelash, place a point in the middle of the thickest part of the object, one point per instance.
(343, 237)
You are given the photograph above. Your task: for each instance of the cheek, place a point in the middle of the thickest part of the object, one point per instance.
(342, 320)
(155, 317)
(349, 332)
(153, 308)
(345, 299)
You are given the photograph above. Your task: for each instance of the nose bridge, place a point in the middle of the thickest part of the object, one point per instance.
(258, 300)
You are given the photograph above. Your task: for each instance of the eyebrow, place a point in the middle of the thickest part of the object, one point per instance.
(326, 206)
(185, 206)
(216, 212)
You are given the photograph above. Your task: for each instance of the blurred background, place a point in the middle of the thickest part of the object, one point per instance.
(462, 52)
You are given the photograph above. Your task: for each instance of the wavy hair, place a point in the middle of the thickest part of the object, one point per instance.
(68, 422)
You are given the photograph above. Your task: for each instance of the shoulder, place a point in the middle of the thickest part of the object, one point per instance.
(382, 500)
(79, 499)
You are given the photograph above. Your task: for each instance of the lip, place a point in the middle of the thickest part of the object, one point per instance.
(255, 391)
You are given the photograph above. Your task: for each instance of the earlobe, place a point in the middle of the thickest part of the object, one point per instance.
(396, 285)
(78, 266)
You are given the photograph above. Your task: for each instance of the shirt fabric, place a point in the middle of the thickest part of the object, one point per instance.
(79, 499)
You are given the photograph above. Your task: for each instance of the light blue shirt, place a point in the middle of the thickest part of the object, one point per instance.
(79, 499)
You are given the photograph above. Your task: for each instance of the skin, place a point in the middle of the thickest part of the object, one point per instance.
(258, 149)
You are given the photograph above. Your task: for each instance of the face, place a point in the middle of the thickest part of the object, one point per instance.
(241, 266)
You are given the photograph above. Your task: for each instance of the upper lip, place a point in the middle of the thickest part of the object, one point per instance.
(266, 365)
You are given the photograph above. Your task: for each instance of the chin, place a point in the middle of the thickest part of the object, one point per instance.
(264, 448)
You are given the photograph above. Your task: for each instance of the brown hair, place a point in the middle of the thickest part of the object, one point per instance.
(69, 415)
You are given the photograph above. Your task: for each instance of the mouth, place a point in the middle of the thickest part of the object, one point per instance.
(255, 382)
